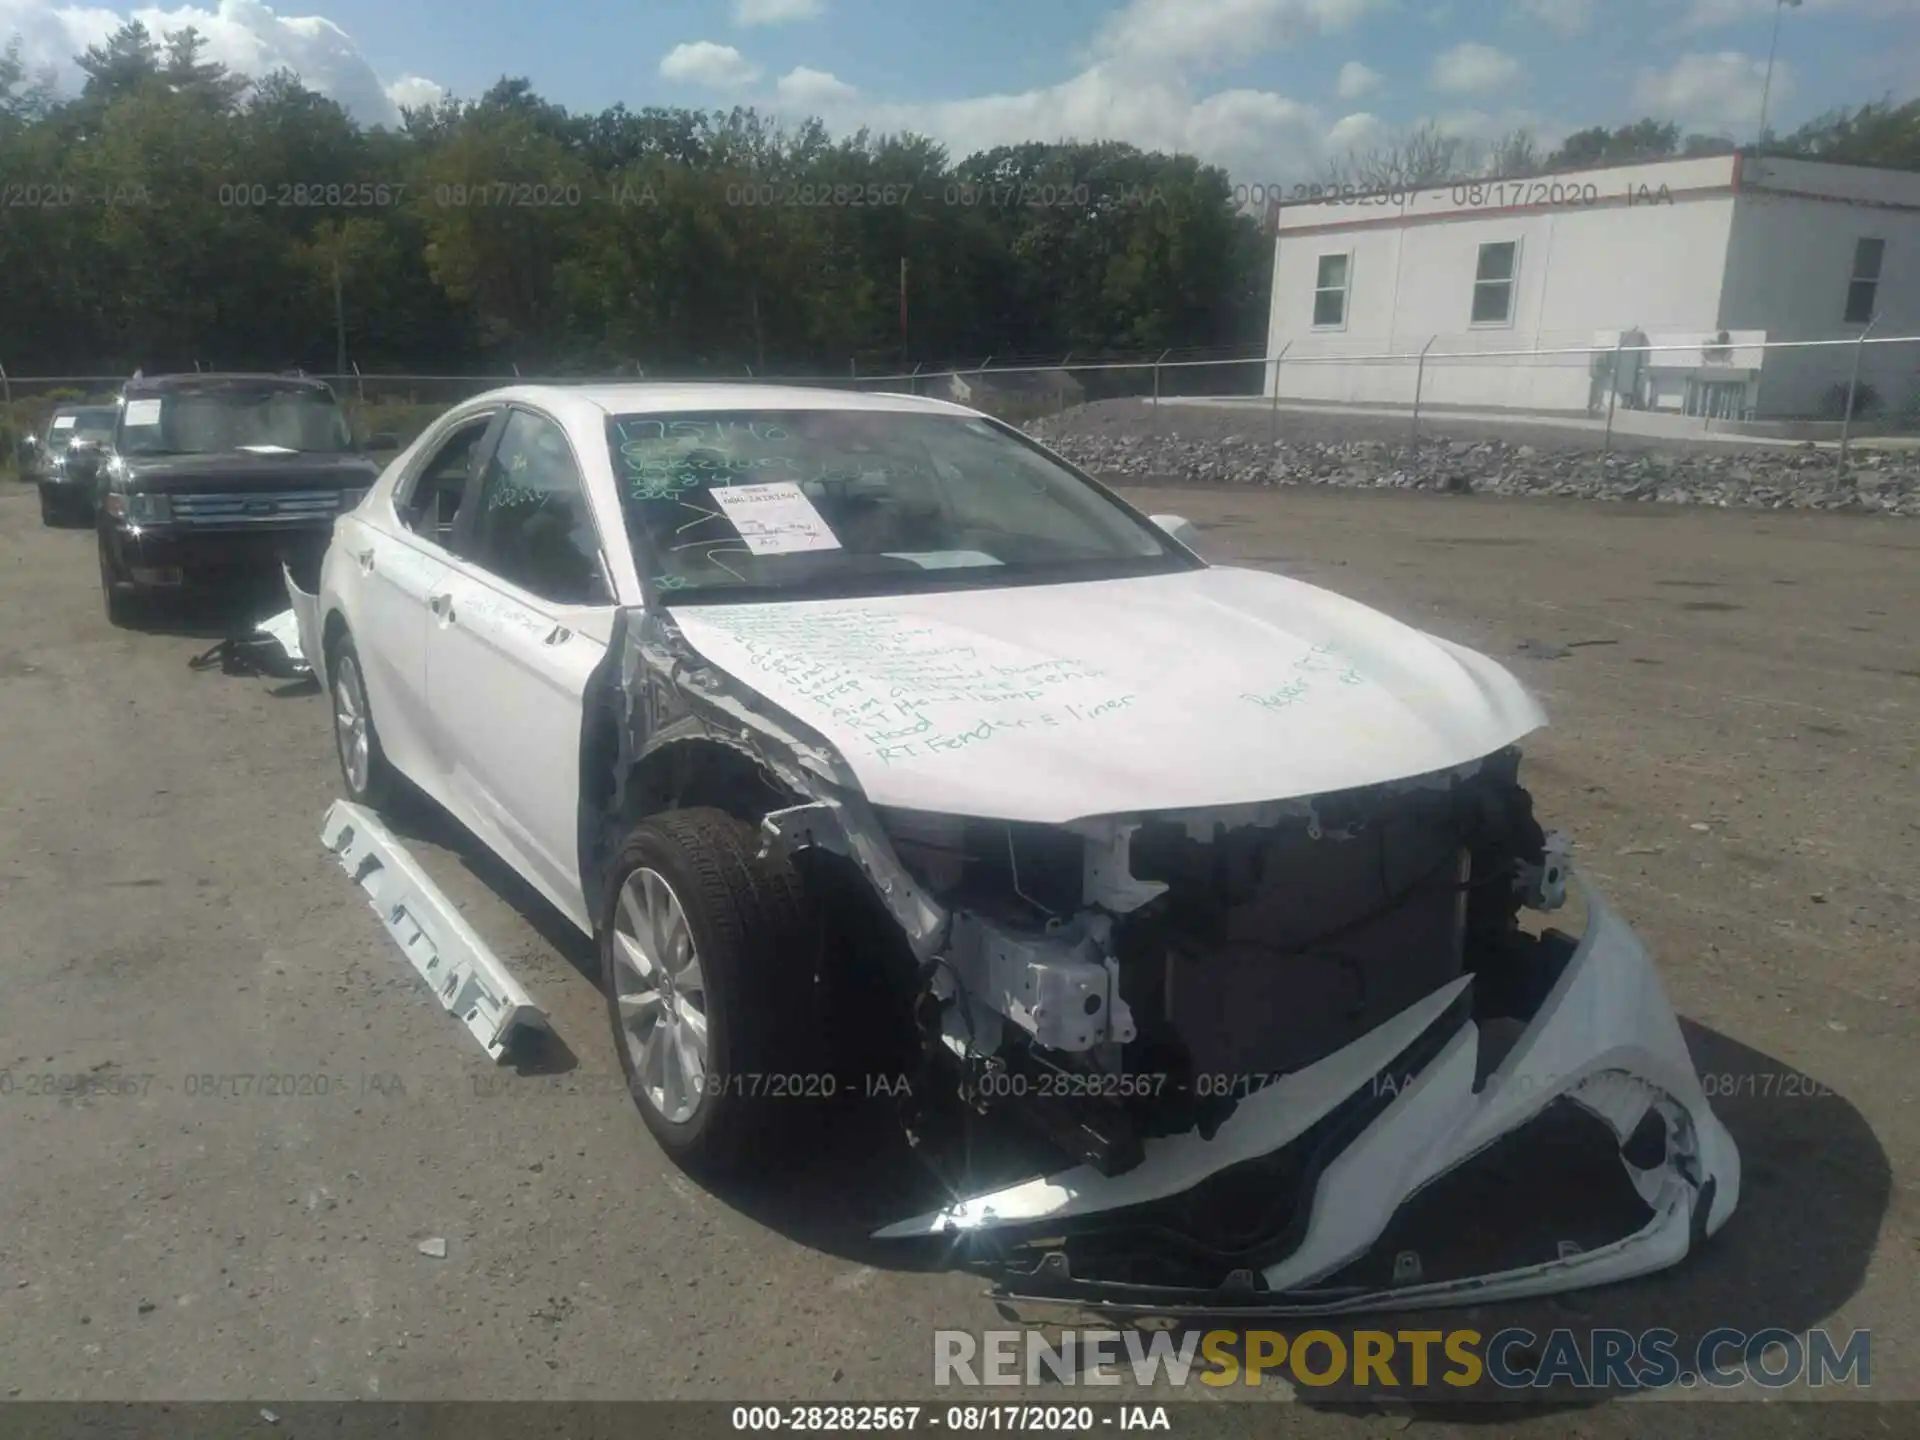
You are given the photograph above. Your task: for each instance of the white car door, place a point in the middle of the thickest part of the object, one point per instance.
(516, 630)
(399, 562)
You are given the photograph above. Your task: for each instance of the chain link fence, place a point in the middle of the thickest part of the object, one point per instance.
(1845, 389)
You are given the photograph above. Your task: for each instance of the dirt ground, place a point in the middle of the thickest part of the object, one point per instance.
(1736, 721)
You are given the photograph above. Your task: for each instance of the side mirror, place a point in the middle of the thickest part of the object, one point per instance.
(385, 440)
(29, 442)
(1179, 528)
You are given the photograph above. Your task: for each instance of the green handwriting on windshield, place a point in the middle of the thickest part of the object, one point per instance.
(652, 475)
(706, 431)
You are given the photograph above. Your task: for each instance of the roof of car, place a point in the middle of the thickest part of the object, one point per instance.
(587, 403)
(206, 380)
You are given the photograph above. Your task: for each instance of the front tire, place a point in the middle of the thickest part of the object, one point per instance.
(710, 971)
(126, 604)
(356, 743)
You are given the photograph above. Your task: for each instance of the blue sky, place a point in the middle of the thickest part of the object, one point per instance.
(1269, 88)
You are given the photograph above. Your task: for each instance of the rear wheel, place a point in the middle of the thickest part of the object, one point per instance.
(710, 975)
(363, 764)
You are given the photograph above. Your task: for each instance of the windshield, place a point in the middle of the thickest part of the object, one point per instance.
(754, 505)
(230, 418)
(93, 423)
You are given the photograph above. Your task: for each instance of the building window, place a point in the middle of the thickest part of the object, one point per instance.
(1865, 282)
(1330, 291)
(1493, 283)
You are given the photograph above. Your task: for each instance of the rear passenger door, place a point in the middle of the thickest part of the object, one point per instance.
(515, 632)
(400, 562)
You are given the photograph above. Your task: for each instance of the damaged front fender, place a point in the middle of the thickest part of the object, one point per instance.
(670, 694)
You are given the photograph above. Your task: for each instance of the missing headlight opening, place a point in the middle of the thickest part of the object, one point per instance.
(1249, 1035)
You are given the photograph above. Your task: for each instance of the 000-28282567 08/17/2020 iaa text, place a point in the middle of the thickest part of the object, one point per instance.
(1528, 194)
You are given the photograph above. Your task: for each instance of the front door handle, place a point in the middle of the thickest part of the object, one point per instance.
(365, 557)
(442, 605)
(559, 635)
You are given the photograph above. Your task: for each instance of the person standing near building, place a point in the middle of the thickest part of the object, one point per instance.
(1600, 368)
(1633, 359)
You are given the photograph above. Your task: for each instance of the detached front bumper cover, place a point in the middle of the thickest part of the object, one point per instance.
(1381, 1120)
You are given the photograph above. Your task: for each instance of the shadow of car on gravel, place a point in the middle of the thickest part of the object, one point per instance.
(234, 610)
(808, 1199)
(1816, 1188)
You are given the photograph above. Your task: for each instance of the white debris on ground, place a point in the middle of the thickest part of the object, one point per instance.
(1798, 477)
(284, 629)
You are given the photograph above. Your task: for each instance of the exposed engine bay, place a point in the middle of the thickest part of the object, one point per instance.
(1121, 980)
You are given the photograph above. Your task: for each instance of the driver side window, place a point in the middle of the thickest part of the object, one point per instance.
(534, 528)
(433, 504)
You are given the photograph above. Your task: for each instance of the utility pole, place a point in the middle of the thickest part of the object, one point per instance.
(339, 319)
(1766, 86)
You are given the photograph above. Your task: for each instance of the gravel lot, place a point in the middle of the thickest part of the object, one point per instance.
(1249, 445)
(1736, 697)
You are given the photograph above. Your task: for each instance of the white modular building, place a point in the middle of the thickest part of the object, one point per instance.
(1716, 254)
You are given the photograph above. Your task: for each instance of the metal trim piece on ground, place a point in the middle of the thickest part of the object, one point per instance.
(464, 975)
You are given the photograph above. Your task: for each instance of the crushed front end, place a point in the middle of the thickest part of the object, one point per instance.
(1258, 1034)
(1262, 1044)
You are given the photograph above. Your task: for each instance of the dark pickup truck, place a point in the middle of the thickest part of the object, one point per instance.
(212, 478)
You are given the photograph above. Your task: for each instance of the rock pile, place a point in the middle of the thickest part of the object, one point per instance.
(1798, 478)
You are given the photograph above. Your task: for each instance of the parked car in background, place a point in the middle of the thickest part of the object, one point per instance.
(210, 477)
(67, 459)
(867, 717)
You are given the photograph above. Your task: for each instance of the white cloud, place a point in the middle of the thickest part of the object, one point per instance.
(1142, 83)
(1487, 126)
(1473, 69)
(1202, 32)
(1258, 136)
(1563, 17)
(246, 36)
(1134, 95)
(1356, 80)
(802, 86)
(415, 92)
(720, 67)
(1718, 92)
(775, 12)
(1361, 131)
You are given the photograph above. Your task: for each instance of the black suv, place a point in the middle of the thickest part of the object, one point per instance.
(209, 478)
(64, 461)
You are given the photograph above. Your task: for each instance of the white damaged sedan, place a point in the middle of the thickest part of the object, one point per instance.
(848, 721)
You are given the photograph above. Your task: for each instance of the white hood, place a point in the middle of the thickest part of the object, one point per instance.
(1051, 703)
